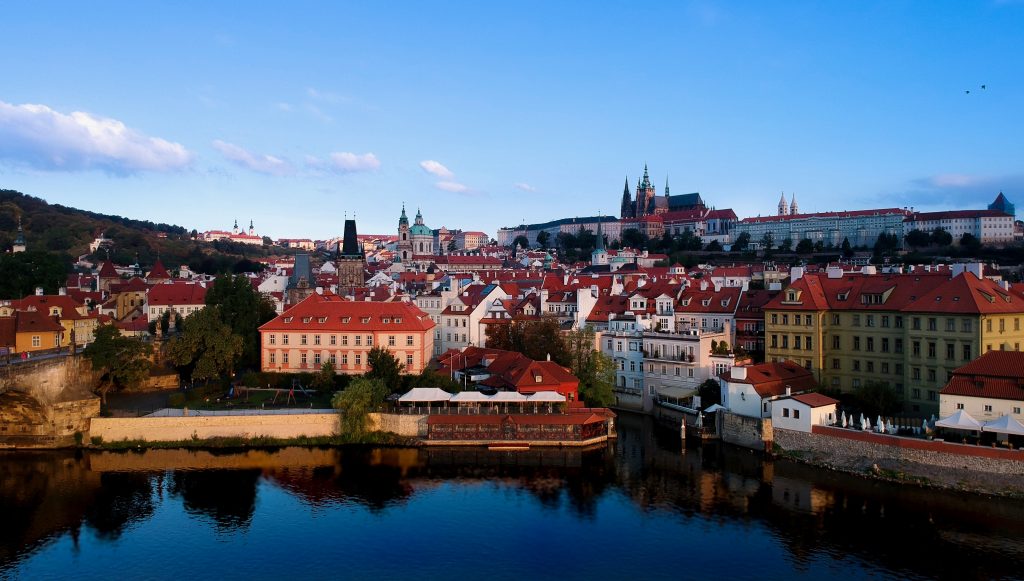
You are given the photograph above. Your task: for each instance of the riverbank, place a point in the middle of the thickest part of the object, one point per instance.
(929, 469)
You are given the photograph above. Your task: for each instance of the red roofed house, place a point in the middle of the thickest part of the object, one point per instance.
(78, 323)
(327, 327)
(28, 331)
(510, 371)
(988, 387)
(802, 411)
(750, 390)
(183, 298)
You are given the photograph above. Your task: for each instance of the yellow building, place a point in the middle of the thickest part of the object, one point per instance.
(906, 330)
(28, 331)
(78, 323)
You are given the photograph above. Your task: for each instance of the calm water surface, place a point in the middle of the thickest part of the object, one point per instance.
(640, 508)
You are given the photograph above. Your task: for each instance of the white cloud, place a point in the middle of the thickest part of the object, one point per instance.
(345, 162)
(524, 186)
(43, 138)
(260, 163)
(953, 180)
(454, 187)
(434, 167)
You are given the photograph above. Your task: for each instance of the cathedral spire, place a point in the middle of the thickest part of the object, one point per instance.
(627, 202)
(793, 208)
(783, 207)
(666, 186)
(403, 219)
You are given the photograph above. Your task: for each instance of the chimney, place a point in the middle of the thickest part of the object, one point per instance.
(39, 291)
(789, 391)
(738, 373)
(62, 291)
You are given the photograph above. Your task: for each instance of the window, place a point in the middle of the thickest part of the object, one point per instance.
(273, 358)
(988, 408)
(835, 364)
(950, 351)
(885, 344)
(916, 393)
(856, 320)
(359, 359)
(775, 319)
(391, 340)
(856, 364)
(835, 319)
(966, 325)
(915, 373)
(785, 319)
(870, 366)
(344, 339)
(931, 349)
(359, 340)
(835, 341)
(959, 406)
(870, 320)
(408, 360)
(931, 375)
(916, 348)
(1016, 410)
(988, 326)
(785, 412)
(316, 359)
(796, 414)
(369, 340)
(334, 339)
(785, 341)
(899, 322)
(856, 343)
(807, 343)
(885, 367)
(316, 339)
(284, 339)
(1002, 325)
(871, 343)
(333, 359)
(284, 358)
(303, 358)
(632, 365)
(775, 341)
(885, 321)
(409, 341)
(302, 339)
(951, 325)
(915, 323)
(933, 324)
(344, 358)
(808, 320)
(855, 382)
(796, 342)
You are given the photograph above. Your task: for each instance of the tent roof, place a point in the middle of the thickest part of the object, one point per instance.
(547, 397)
(418, 394)
(469, 396)
(714, 408)
(1004, 425)
(960, 420)
(510, 396)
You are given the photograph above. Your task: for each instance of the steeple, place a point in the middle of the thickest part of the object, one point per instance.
(627, 202)
(666, 186)
(793, 208)
(646, 183)
(419, 217)
(600, 237)
(403, 219)
(19, 240)
(783, 207)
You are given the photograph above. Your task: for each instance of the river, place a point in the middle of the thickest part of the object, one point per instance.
(639, 508)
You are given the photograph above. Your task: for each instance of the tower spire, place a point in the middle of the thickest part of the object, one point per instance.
(666, 186)
(627, 202)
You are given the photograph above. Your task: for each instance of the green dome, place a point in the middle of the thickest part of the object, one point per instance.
(420, 230)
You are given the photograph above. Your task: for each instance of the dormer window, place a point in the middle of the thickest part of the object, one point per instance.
(346, 320)
(364, 320)
(706, 302)
(385, 320)
(287, 319)
(398, 320)
(321, 320)
(307, 319)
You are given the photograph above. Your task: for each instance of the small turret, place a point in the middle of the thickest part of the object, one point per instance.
(19, 241)
(793, 208)
(783, 206)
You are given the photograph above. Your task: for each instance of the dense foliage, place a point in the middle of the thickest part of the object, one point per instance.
(121, 361)
(242, 309)
(362, 396)
(206, 348)
(21, 273)
(385, 367)
(535, 338)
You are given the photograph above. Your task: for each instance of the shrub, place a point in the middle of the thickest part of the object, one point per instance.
(176, 400)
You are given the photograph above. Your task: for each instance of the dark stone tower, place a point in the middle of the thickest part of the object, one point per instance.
(627, 202)
(644, 196)
(351, 261)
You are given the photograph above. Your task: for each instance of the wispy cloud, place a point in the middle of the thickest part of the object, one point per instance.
(282, 106)
(953, 190)
(345, 162)
(40, 137)
(436, 168)
(260, 163)
(454, 187)
(524, 187)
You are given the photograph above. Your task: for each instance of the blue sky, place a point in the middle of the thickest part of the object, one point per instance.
(486, 114)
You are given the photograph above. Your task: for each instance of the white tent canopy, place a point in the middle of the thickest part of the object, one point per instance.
(546, 397)
(714, 408)
(960, 420)
(425, 394)
(469, 397)
(508, 397)
(1004, 425)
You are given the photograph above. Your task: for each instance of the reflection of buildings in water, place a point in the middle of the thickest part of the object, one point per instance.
(800, 495)
(226, 497)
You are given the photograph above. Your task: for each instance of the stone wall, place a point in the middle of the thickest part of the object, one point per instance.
(50, 380)
(846, 447)
(754, 433)
(173, 429)
(401, 424)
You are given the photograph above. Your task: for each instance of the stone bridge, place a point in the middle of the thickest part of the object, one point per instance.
(46, 401)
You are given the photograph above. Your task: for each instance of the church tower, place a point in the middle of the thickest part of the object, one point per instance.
(627, 202)
(599, 256)
(783, 206)
(793, 208)
(422, 237)
(351, 262)
(644, 196)
(234, 230)
(252, 230)
(404, 241)
(19, 240)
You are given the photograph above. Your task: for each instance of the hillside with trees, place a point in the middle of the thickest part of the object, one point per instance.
(66, 232)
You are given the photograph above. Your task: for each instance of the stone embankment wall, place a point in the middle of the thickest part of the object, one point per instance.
(402, 424)
(754, 433)
(175, 429)
(50, 380)
(850, 448)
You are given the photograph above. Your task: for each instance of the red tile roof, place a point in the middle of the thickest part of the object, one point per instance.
(815, 400)
(846, 214)
(108, 270)
(158, 272)
(177, 293)
(772, 379)
(338, 314)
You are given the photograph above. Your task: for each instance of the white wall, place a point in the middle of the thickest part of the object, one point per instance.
(975, 406)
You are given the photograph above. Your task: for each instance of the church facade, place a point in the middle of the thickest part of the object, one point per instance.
(648, 203)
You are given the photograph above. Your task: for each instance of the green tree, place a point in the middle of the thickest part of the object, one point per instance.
(535, 338)
(633, 238)
(431, 378)
(970, 244)
(543, 238)
(786, 246)
(846, 248)
(940, 237)
(385, 367)
(362, 396)
(324, 379)
(452, 245)
(206, 348)
(805, 246)
(876, 398)
(595, 370)
(165, 323)
(21, 273)
(714, 246)
(710, 393)
(767, 241)
(122, 361)
(886, 244)
(742, 242)
(918, 239)
(521, 241)
(243, 309)
(177, 321)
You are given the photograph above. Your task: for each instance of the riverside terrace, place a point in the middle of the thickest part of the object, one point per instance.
(473, 418)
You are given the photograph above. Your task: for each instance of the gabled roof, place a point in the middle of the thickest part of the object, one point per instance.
(158, 272)
(772, 379)
(967, 294)
(814, 400)
(177, 293)
(331, 313)
(107, 270)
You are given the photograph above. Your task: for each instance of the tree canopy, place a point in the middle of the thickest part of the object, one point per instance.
(206, 348)
(243, 309)
(122, 361)
(385, 367)
(362, 396)
(536, 338)
(22, 272)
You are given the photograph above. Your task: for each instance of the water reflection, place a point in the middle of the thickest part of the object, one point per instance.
(810, 514)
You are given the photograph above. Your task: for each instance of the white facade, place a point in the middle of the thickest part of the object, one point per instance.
(624, 343)
(742, 399)
(790, 414)
(983, 409)
(677, 360)
(988, 226)
(860, 227)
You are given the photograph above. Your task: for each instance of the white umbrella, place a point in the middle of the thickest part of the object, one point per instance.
(865, 424)
(1004, 425)
(863, 420)
(892, 428)
(844, 419)
(924, 425)
(881, 424)
(959, 420)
